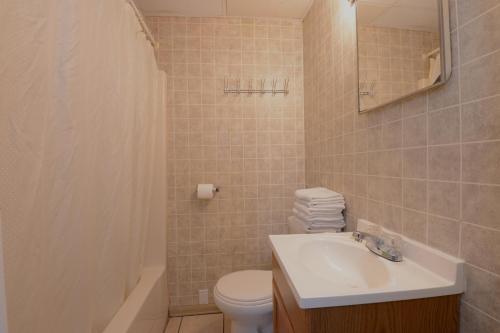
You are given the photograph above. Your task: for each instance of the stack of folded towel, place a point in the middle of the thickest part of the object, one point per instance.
(320, 209)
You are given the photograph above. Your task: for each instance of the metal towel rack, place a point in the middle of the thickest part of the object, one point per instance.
(233, 86)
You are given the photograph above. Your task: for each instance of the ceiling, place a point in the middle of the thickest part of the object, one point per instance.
(249, 8)
(419, 15)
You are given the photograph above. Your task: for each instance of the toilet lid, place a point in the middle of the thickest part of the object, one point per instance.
(246, 286)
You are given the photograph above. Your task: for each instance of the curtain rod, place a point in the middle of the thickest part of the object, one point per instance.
(143, 24)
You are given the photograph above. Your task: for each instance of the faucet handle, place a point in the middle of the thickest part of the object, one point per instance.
(391, 240)
(358, 236)
(383, 244)
(391, 245)
(372, 232)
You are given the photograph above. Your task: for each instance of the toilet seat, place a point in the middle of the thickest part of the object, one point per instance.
(245, 288)
(246, 298)
(233, 302)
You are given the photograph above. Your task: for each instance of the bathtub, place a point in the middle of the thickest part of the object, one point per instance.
(146, 308)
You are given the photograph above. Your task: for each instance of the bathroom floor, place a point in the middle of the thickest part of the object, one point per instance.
(211, 323)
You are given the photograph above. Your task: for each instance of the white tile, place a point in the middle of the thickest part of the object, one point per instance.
(173, 325)
(202, 324)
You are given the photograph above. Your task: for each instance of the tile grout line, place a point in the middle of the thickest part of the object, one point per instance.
(475, 18)
(480, 226)
(478, 58)
(180, 325)
(483, 270)
(475, 308)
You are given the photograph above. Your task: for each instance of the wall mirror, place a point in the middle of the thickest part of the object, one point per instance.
(403, 49)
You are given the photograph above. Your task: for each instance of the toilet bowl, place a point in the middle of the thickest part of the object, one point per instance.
(246, 297)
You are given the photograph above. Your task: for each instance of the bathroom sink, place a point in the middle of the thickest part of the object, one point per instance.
(342, 262)
(325, 270)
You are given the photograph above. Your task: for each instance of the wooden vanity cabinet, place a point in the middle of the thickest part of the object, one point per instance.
(427, 315)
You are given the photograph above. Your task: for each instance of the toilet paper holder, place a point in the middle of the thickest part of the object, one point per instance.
(206, 191)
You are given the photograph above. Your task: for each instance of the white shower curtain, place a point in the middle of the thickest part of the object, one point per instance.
(81, 139)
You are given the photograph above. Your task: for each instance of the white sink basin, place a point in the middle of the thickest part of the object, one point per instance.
(342, 262)
(325, 270)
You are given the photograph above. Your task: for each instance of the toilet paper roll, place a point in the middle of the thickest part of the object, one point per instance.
(206, 191)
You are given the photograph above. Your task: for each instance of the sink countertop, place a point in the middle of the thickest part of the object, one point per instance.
(325, 270)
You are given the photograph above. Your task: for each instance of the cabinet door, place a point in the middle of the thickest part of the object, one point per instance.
(281, 322)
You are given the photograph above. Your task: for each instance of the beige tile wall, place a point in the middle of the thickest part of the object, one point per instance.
(428, 167)
(390, 62)
(250, 146)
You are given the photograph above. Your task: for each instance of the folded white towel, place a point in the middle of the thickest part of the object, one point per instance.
(316, 193)
(326, 229)
(319, 200)
(315, 228)
(320, 203)
(332, 210)
(321, 208)
(319, 221)
(316, 225)
(340, 224)
(317, 218)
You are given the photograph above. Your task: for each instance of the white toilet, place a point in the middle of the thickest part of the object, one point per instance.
(246, 297)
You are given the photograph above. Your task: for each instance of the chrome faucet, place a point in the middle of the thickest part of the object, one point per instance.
(386, 246)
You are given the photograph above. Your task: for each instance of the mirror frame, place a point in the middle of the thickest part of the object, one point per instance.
(445, 45)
